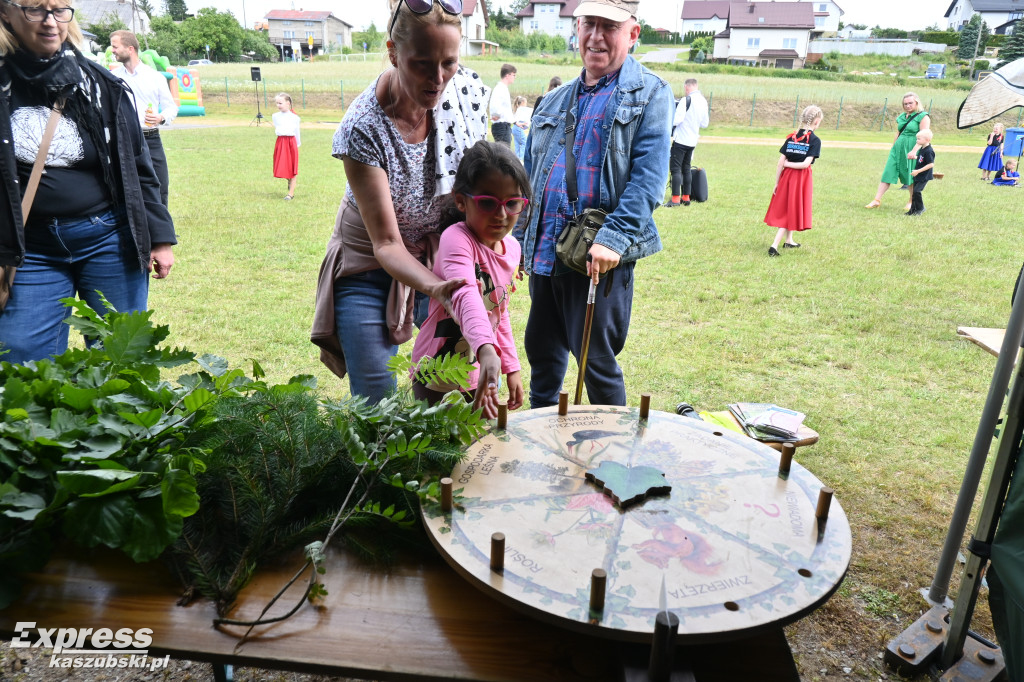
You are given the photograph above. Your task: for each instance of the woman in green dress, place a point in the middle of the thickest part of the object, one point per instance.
(897, 169)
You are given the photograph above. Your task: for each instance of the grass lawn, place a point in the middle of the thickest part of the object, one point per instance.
(857, 328)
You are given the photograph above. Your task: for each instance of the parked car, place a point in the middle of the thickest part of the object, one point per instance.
(935, 71)
(199, 62)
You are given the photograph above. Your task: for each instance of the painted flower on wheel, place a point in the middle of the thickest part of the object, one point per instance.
(669, 541)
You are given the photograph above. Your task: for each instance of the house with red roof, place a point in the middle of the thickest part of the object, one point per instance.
(703, 16)
(310, 31)
(771, 34)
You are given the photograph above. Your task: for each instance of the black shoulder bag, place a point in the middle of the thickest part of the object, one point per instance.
(576, 238)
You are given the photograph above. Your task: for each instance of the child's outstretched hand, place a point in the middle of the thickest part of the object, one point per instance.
(486, 396)
(515, 390)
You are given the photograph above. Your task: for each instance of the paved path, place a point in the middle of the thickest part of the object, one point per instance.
(664, 55)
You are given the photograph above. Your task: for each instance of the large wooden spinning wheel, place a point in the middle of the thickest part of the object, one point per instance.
(738, 546)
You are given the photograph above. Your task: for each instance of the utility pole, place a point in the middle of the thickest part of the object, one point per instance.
(977, 42)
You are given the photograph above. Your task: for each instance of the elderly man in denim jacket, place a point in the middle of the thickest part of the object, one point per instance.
(621, 146)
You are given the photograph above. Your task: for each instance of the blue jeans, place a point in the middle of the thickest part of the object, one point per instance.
(519, 135)
(554, 330)
(65, 257)
(360, 309)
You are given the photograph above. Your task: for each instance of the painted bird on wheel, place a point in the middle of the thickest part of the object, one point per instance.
(580, 437)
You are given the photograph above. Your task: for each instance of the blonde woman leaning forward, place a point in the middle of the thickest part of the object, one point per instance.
(401, 141)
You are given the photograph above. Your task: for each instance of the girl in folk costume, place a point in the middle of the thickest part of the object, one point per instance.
(286, 151)
(992, 157)
(790, 206)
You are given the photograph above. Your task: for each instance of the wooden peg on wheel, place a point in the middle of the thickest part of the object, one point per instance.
(498, 552)
(446, 494)
(788, 450)
(563, 403)
(502, 415)
(824, 502)
(598, 581)
(645, 405)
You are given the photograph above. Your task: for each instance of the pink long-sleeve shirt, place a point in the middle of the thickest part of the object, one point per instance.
(481, 311)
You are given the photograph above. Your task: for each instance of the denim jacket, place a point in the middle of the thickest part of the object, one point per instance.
(634, 161)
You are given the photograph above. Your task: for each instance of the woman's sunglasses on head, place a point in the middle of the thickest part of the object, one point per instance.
(424, 6)
(62, 15)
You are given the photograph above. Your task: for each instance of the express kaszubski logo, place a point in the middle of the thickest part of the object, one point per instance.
(91, 648)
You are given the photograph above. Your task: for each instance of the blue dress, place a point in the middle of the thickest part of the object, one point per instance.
(1006, 178)
(991, 158)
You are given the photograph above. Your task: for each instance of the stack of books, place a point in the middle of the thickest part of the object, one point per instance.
(765, 421)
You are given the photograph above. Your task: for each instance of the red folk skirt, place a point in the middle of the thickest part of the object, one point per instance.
(286, 157)
(790, 207)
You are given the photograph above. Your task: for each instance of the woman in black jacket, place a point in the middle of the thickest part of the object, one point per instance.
(97, 222)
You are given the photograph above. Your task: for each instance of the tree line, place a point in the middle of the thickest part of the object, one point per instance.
(184, 38)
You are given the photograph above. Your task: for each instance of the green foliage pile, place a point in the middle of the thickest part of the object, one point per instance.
(283, 467)
(92, 443)
(225, 471)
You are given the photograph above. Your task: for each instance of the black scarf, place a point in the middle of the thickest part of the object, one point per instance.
(64, 76)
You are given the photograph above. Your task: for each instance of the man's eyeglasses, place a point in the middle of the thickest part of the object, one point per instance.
(62, 15)
(424, 6)
(489, 204)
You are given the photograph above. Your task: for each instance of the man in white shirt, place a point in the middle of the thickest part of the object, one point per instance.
(501, 106)
(152, 96)
(691, 116)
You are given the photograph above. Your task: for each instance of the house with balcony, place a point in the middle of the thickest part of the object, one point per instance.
(1000, 15)
(770, 34)
(705, 16)
(827, 15)
(315, 32)
(553, 17)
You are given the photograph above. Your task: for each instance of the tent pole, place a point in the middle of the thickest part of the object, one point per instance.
(988, 520)
(982, 441)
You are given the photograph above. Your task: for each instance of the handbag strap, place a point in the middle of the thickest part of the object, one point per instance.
(37, 167)
(908, 122)
(570, 141)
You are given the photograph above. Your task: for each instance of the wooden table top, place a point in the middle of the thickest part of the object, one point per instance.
(419, 622)
(738, 548)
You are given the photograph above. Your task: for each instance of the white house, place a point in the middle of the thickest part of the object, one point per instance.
(314, 31)
(826, 16)
(705, 15)
(773, 34)
(474, 27)
(553, 17)
(998, 14)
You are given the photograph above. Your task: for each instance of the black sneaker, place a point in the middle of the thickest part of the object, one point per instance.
(787, 245)
(671, 204)
(772, 251)
(686, 203)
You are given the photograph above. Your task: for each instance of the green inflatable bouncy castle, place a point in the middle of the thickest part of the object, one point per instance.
(184, 83)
